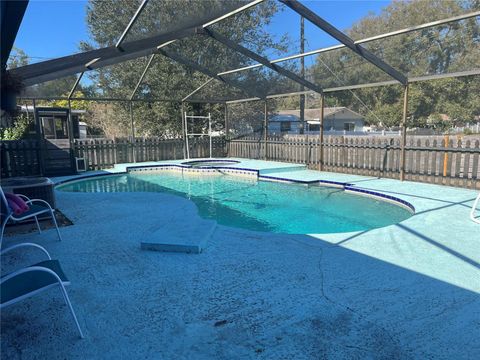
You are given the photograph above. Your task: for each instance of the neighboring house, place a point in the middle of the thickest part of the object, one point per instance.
(335, 119)
(54, 122)
(281, 123)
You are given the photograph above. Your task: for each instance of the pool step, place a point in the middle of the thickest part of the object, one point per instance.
(191, 237)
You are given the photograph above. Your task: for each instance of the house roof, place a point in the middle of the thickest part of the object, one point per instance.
(314, 114)
(45, 109)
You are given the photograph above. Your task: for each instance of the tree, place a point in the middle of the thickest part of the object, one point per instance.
(168, 79)
(75, 104)
(54, 88)
(19, 129)
(442, 49)
(111, 119)
(17, 58)
(11, 86)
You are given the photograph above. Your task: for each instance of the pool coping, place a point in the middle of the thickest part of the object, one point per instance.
(190, 161)
(346, 186)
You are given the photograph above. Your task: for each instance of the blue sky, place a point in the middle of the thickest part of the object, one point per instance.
(54, 28)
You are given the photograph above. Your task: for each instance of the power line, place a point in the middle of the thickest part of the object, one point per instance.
(354, 95)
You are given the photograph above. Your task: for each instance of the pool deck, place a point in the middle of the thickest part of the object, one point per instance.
(406, 291)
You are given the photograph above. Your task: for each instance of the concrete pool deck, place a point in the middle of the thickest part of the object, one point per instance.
(409, 290)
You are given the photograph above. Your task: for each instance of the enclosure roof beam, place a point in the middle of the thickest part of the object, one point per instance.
(108, 99)
(234, 12)
(142, 76)
(369, 85)
(73, 64)
(88, 65)
(419, 27)
(344, 39)
(130, 24)
(197, 89)
(458, 74)
(361, 41)
(119, 57)
(79, 77)
(327, 90)
(11, 17)
(188, 63)
(445, 76)
(252, 55)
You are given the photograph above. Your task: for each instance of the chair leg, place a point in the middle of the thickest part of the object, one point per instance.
(69, 304)
(38, 225)
(3, 229)
(56, 225)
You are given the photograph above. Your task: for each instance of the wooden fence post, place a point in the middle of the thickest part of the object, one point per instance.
(404, 133)
(320, 147)
(445, 155)
(226, 148)
(184, 131)
(134, 153)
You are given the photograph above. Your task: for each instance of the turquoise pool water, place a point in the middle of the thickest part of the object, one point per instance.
(258, 205)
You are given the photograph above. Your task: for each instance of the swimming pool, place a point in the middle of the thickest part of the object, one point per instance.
(258, 205)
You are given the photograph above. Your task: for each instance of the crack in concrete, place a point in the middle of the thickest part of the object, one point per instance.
(348, 308)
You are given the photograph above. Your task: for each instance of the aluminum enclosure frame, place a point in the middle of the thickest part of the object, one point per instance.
(79, 63)
(123, 51)
(345, 40)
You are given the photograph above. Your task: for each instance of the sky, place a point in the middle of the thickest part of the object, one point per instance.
(52, 29)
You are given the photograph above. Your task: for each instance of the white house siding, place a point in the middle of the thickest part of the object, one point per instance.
(335, 119)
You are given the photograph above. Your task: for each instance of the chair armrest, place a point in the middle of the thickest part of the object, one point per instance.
(31, 201)
(24, 197)
(30, 269)
(13, 247)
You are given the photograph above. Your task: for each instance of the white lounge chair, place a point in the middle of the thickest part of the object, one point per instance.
(26, 282)
(474, 208)
(37, 207)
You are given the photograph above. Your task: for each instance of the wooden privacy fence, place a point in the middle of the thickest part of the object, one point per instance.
(428, 159)
(46, 157)
(24, 157)
(105, 153)
(20, 158)
(432, 159)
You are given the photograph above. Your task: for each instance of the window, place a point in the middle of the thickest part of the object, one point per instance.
(285, 126)
(48, 127)
(349, 126)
